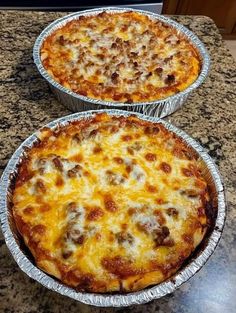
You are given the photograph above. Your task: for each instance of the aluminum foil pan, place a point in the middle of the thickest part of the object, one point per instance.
(77, 103)
(194, 263)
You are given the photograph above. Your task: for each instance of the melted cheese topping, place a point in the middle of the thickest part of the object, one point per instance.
(124, 57)
(105, 202)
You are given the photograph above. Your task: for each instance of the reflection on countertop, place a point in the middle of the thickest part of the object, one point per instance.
(209, 116)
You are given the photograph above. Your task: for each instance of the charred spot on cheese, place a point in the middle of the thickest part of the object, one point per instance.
(45, 207)
(84, 281)
(111, 236)
(151, 157)
(28, 210)
(128, 169)
(126, 137)
(130, 150)
(40, 186)
(78, 157)
(188, 238)
(183, 153)
(201, 211)
(187, 172)
(118, 160)
(59, 181)
(160, 201)
(128, 99)
(150, 130)
(151, 188)
(200, 184)
(119, 266)
(95, 214)
(132, 211)
(97, 149)
(124, 226)
(39, 229)
(110, 204)
(165, 167)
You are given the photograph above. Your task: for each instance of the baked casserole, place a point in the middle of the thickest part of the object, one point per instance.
(124, 57)
(110, 203)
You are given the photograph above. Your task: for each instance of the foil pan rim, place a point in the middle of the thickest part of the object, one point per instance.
(205, 59)
(117, 300)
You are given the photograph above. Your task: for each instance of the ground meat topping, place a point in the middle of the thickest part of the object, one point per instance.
(58, 163)
(75, 171)
(172, 212)
(123, 237)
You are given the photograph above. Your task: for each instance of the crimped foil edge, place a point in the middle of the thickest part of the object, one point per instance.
(160, 107)
(116, 300)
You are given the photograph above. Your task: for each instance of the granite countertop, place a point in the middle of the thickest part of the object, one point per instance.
(209, 116)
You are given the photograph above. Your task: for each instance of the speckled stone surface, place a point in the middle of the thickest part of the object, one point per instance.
(209, 116)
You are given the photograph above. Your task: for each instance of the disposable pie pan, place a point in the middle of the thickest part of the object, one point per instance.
(193, 264)
(160, 108)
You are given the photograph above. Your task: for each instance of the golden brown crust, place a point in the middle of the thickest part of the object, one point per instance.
(119, 220)
(103, 58)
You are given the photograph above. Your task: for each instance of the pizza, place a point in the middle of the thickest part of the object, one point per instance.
(110, 203)
(124, 57)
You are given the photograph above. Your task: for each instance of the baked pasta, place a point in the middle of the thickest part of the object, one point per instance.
(110, 203)
(123, 57)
